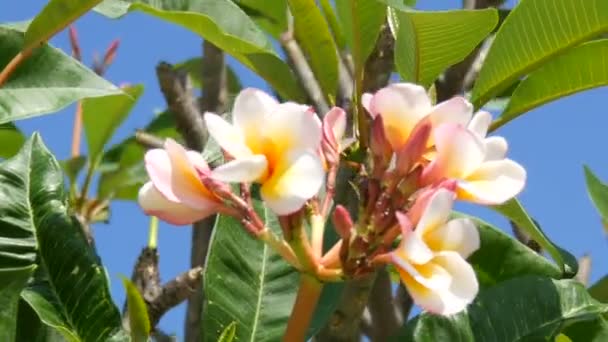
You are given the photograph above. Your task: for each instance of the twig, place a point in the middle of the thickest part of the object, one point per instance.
(382, 311)
(13, 64)
(174, 292)
(148, 140)
(379, 65)
(303, 70)
(584, 269)
(404, 303)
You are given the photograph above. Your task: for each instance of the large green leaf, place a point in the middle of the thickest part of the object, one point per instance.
(102, 116)
(514, 211)
(46, 82)
(30, 328)
(361, 23)
(247, 282)
(599, 290)
(271, 15)
(588, 331)
(12, 281)
(534, 32)
(598, 193)
(54, 17)
(36, 229)
(139, 323)
(429, 42)
(11, 140)
(522, 309)
(581, 68)
(224, 24)
(313, 34)
(501, 257)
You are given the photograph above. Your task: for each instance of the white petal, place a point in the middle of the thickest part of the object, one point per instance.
(458, 235)
(402, 106)
(496, 148)
(293, 126)
(154, 203)
(245, 170)
(251, 108)
(412, 250)
(227, 136)
(480, 123)
(366, 100)
(297, 178)
(436, 212)
(459, 151)
(494, 182)
(455, 110)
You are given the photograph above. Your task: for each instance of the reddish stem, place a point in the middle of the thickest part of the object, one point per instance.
(77, 130)
(330, 190)
(303, 309)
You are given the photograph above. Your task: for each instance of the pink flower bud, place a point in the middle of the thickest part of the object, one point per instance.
(379, 145)
(334, 126)
(415, 147)
(76, 53)
(342, 221)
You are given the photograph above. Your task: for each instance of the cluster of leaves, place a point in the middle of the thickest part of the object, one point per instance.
(52, 284)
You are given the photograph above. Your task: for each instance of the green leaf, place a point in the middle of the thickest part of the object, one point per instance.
(228, 333)
(589, 330)
(598, 193)
(12, 281)
(535, 32)
(194, 68)
(402, 5)
(246, 282)
(102, 116)
(224, 24)
(514, 211)
(522, 309)
(332, 21)
(599, 290)
(271, 15)
(429, 42)
(30, 328)
(580, 68)
(72, 167)
(46, 82)
(11, 140)
(139, 323)
(361, 21)
(36, 229)
(501, 257)
(54, 17)
(313, 34)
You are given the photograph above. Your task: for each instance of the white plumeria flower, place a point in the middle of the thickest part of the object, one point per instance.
(272, 144)
(175, 192)
(495, 147)
(431, 258)
(403, 105)
(478, 165)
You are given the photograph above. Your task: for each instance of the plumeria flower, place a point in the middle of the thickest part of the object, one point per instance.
(403, 105)
(272, 144)
(431, 258)
(175, 192)
(477, 164)
(333, 129)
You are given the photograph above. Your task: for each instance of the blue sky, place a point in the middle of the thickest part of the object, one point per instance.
(552, 142)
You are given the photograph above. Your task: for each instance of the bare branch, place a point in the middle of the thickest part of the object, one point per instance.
(584, 269)
(379, 65)
(404, 303)
(148, 140)
(383, 312)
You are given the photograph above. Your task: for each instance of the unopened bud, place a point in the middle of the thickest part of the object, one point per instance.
(379, 146)
(333, 128)
(414, 148)
(110, 54)
(342, 221)
(76, 53)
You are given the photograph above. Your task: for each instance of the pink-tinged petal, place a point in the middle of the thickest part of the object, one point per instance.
(444, 286)
(455, 110)
(197, 160)
(251, 107)
(293, 126)
(334, 124)
(154, 203)
(401, 105)
(158, 166)
(459, 152)
(495, 182)
(230, 138)
(366, 100)
(480, 123)
(412, 249)
(436, 213)
(245, 170)
(458, 235)
(297, 178)
(496, 148)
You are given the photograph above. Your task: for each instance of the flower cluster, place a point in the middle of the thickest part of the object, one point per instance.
(421, 158)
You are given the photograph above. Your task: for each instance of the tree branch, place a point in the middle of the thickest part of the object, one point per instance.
(404, 303)
(584, 269)
(381, 308)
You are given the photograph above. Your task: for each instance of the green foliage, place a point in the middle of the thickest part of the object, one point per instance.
(11, 140)
(194, 68)
(529, 308)
(46, 82)
(225, 25)
(56, 15)
(228, 334)
(139, 323)
(261, 284)
(12, 280)
(580, 68)
(599, 290)
(36, 230)
(102, 116)
(429, 42)
(534, 32)
(514, 211)
(598, 192)
(271, 15)
(316, 40)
